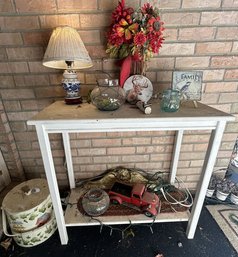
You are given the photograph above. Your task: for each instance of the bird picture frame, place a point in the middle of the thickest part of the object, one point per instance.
(189, 83)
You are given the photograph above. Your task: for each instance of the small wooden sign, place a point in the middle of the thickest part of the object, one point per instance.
(189, 83)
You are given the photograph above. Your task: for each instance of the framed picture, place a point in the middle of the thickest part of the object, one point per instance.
(189, 83)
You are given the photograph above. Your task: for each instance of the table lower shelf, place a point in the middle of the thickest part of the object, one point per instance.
(73, 217)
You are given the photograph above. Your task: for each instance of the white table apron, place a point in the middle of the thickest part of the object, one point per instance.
(52, 120)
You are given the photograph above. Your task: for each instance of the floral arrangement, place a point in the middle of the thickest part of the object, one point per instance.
(135, 33)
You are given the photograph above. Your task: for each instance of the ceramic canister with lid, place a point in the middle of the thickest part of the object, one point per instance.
(28, 205)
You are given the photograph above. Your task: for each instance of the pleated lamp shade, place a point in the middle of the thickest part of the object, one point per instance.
(66, 45)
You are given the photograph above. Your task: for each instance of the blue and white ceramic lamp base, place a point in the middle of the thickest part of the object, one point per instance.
(71, 85)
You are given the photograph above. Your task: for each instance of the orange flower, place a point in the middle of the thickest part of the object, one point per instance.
(125, 29)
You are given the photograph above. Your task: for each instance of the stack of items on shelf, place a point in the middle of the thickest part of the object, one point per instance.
(132, 192)
(29, 213)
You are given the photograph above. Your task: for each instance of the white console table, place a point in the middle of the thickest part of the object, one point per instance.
(65, 119)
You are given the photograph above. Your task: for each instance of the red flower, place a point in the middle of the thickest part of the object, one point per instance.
(154, 24)
(139, 39)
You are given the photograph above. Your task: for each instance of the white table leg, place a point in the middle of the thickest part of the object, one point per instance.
(209, 162)
(45, 148)
(175, 158)
(68, 157)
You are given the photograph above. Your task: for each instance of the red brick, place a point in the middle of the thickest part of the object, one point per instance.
(221, 87)
(31, 80)
(25, 53)
(213, 47)
(219, 18)
(170, 34)
(164, 4)
(192, 62)
(3, 54)
(97, 51)
(21, 94)
(120, 150)
(19, 126)
(136, 141)
(227, 33)
(163, 63)
(109, 65)
(223, 107)
(110, 5)
(211, 75)
(36, 38)
(6, 6)
(201, 4)
(210, 98)
(228, 98)
(10, 39)
(197, 34)
(94, 20)
(36, 6)
(6, 82)
(235, 47)
(80, 143)
(180, 19)
(106, 159)
(91, 135)
(229, 3)
(21, 116)
(90, 36)
(150, 149)
(196, 163)
(92, 151)
(231, 74)
(151, 166)
(52, 21)
(106, 142)
(177, 49)
(51, 91)
(37, 67)
(135, 158)
(121, 134)
(224, 61)
(12, 106)
(76, 6)
(21, 23)
(13, 67)
(29, 105)
(163, 76)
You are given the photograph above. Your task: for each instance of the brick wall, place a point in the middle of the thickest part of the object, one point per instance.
(200, 35)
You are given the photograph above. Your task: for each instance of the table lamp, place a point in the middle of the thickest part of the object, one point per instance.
(66, 51)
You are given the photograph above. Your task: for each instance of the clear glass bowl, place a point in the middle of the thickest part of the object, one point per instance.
(108, 95)
(95, 202)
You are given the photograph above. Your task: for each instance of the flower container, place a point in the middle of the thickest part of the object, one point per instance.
(221, 195)
(210, 192)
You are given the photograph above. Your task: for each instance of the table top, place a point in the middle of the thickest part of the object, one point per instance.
(61, 112)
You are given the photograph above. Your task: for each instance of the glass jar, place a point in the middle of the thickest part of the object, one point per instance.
(108, 95)
(170, 100)
(95, 202)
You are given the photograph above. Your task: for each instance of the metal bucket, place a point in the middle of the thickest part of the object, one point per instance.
(28, 205)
